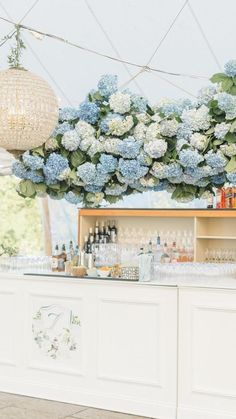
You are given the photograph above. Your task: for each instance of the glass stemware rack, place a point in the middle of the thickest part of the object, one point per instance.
(210, 233)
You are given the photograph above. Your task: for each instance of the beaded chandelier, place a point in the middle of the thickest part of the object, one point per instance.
(28, 106)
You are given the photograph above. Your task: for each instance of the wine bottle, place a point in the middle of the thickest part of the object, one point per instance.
(54, 263)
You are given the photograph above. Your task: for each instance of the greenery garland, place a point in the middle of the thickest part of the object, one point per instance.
(116, 144)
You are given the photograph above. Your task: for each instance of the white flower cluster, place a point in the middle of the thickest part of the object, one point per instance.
(70, 140)
(51, 144)
(156, 148)
(111, 145)
(84, 130)
(143, 117)
(198, 141)
(64, 175)
(120, 102)
(153, 131)
(197, 119)
(228, 150)
(140, 131)
(96, 147)
(120, 127)
(169, 128)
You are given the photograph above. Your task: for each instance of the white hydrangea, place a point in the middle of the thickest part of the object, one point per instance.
(111, 145)
(96, 147)
(120, 127)
(228, 150)
(51, 144)
(180, 143)
(71, 140)
(86, 143)
(140, 131)
(148, 182)
(84, 130)
(153, 131)
(65, 174)
(143, 117)
(156, 117)
(198, 141)
(197, 119)
(156, 148)
(169, 128)
(120, 102)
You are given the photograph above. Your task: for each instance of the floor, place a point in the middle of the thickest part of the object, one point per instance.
(19, 407)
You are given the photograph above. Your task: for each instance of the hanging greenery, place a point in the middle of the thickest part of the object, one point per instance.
(116, 144)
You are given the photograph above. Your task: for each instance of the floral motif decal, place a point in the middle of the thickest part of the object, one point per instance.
(55, 330)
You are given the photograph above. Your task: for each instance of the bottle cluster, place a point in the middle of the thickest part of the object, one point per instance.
(61, 255)
(224, 198)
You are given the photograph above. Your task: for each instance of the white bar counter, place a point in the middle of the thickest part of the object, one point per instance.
(164, 349)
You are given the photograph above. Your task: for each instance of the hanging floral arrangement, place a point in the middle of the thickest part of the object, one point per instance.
(116, 144)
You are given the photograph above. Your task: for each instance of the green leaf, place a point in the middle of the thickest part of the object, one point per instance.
(38, 151)
(218, 142)
(210, 130)
(233, 90)
(112, 199)
(65, 153)
(98, 133)
(219, 77)
(27, 188)
(231, 165)
(230, 137)
(227, 84)
(55, 186)
(95, 158)
(233, 126)
(40, 187)
(97, 96)
(77, 158)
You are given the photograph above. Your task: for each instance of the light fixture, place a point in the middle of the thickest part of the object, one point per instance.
(28, 105)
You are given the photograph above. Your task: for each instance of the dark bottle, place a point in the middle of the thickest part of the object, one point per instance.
(62, 257)
(113, 232)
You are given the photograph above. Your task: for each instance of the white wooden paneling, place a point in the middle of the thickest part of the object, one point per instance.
(207, 347)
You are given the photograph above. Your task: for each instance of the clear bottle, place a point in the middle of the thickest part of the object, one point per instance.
(158, 252)
(62, 257)
(174, 253)
(71, 251)
(165, 257)
(96, 235)
(54, 262)
(113, 232)
(76, 258)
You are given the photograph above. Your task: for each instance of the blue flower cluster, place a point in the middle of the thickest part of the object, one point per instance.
(139, 103)
(54, 167)
(68, 114)
(176, 107)
(89, 112)
(32, 162)
(215, 160)
(190, 158)
(107, 85)
(73, 198)
(227, 103)
(104, 124)
(62, 128)
(131, 169)
(230, 68)
(107, 164)
(129, 148)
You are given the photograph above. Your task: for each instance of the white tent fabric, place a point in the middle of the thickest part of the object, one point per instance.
(6, 160)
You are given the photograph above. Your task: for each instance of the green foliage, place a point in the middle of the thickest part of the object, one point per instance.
(21, 224)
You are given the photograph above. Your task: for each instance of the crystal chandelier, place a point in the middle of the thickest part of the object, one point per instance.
(28, 105)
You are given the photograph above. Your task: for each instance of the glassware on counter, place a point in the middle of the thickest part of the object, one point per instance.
(220, 255)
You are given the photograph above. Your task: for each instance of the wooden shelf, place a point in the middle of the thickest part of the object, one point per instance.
(116, 212)
(217, 237)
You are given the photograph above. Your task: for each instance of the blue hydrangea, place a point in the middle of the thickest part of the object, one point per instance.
(129, 148)
(184, 132)
(104, 124)
(19, 170)
(230, 68)
(139, 103)
(54, 166)
(87, 172)
(227, 103)
(89, 112)
(216, 160)
(173, 170)
(35, 177)
(73, 198)
(101, 178)
(107, 164)
(93, 188)
(62, 128)
(219, 179)
(107, 85)
(115, 190)
(162, 186)
(176, 107)
(232, 178)
(68, 114)
(33, 162)
(190, 158)
(131, 169)
(144, 159)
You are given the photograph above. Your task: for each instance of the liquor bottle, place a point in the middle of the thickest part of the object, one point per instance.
(76, 258)
(158, 249)
(210, 202)
(71, 251)
(96, 238)
(174, 253)
(165, 257)
(86, 244)
(101, 233)
(54, 262)
(113, 232)
(218, 198)
(62, 257)
(149, 250)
